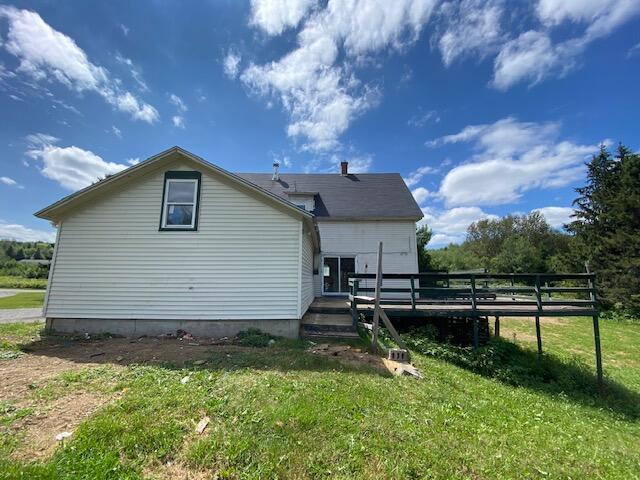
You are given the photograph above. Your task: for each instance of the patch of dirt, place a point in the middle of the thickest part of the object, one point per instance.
(543, 320)
(177, 471)
(524, 337)
(19, 373)
(63, 415)
(350, 356)
(52, 356)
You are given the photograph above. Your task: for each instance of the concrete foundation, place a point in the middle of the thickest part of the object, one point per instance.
(198, 328)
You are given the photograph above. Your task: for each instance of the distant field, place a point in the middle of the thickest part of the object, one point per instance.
(23, 300)
(21, 282)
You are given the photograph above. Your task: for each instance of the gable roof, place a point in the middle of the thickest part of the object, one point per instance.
(55, 211)
(362, 196)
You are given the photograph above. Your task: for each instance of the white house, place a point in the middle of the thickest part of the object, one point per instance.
(177, 242)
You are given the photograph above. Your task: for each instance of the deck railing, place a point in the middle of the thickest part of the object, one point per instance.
(483, 294)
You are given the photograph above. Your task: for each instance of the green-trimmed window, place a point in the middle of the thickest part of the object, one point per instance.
(180, 201)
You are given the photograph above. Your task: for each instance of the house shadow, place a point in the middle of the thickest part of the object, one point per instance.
(556, 377)
(175, 354)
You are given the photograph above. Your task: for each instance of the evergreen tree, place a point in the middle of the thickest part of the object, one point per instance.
(607, 225)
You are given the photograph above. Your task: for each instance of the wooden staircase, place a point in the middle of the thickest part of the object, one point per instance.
(328, 320)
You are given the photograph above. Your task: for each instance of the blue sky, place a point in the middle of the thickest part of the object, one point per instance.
(485, 107)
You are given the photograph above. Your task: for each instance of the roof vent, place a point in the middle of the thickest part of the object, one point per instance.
(276, 173)
(344, 167)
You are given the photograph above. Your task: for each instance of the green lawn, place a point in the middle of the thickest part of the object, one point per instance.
(22, 300)
(278, 412)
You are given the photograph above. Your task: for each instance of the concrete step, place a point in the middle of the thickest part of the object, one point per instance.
(330, 310)
(320, 335)
(327, 325)
(313, 318)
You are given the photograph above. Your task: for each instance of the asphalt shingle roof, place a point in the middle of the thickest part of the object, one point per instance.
(354, 196)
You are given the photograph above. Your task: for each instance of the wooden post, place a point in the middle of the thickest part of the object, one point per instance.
(354, 305)
(538, 335)
(513, 298)
(496, 328)
(376, 310)
(539, 304)
(413, 293)
(476, 339)
(596, 337)
(596, 330)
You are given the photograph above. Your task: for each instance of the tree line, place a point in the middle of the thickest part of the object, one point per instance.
(12, 251)
(604, 233)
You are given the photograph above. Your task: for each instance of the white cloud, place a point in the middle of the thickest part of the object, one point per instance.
(420, 194)
(421, 119)
(48, 55)
(450, 226)
(231, 64)
(133, 161)
(36, 139)
(604, 14)
(7, 181)
(532, 56)
(178, 103)
(315, 84)
(470, 27)
(416, 176)
(634, 50)
(72, 167)
(125, 29)
(275, 16)
(116, 131)
(556, 216)
(178, 121)
(512, 157)
(136, 72)
(13, 231)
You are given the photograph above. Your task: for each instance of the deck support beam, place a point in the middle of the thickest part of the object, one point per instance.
(596, 337)
(496, 328)
(539, 308)
(476, 333)
(596, 329)
(376, 312)
(538, 336)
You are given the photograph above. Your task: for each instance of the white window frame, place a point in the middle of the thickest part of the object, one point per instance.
(167, 204)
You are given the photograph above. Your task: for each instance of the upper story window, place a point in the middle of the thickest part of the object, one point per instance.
(180, 201)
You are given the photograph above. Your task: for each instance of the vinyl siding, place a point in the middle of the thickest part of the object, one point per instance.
(307, 271)
(361, 239)
(112, 262)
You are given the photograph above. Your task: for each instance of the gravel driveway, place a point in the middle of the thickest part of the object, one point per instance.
(16, 315)
(24, 315)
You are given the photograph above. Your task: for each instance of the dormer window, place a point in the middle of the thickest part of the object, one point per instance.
(304, 200)
(180, 200)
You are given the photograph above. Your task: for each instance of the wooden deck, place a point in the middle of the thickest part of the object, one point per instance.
(501, 307)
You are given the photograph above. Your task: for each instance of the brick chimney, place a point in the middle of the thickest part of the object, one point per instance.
(344, 167)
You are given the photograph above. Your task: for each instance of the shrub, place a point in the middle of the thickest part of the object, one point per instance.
(20, 282)
(254, 337)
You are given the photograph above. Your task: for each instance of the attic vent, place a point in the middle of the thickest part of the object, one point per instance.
(276, 173)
